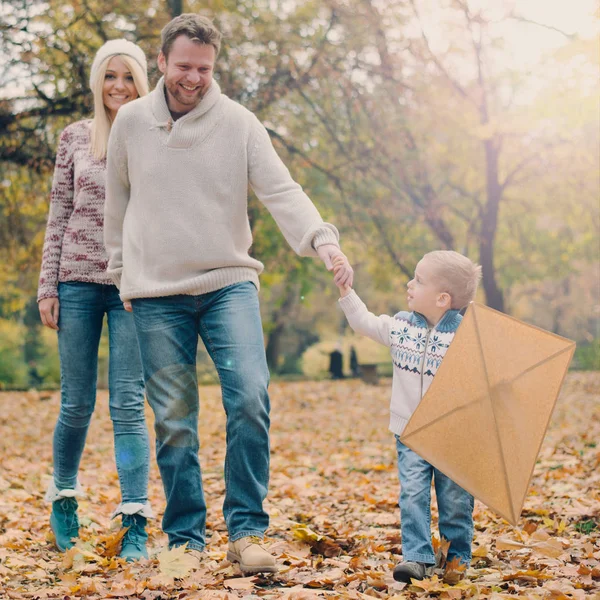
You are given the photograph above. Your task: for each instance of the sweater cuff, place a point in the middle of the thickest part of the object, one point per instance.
(351, 303)
(47, 292)
(115, 275)
(325, 236)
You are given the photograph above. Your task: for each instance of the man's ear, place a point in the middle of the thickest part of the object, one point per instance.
(444, 300)
(161, 61)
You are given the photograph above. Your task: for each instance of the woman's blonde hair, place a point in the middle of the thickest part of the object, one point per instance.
(102, 122)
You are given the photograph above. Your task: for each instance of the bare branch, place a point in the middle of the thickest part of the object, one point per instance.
(516, 17)
(436, 60)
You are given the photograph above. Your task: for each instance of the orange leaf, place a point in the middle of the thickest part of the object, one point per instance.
(110, 544)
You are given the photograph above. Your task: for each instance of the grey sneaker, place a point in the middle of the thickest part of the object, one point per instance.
(407, 570)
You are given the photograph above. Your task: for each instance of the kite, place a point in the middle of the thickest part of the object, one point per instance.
(483, 419)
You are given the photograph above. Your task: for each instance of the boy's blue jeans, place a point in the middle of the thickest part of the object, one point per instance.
(228, 321)
(455, 508)
(82, 310)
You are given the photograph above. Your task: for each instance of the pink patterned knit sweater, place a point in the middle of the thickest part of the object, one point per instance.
(74, 246)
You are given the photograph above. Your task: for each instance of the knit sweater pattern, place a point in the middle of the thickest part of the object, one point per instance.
(73, 245)
(176, 214)
(416, 349)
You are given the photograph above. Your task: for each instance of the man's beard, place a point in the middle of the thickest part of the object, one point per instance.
(183, 99)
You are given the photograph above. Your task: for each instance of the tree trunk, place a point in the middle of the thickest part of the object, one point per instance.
(280, 319)
(489, 224)
(273, 350)
(175, 7)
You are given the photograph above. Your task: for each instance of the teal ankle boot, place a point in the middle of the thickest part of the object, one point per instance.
(134, 541)
(64, 522)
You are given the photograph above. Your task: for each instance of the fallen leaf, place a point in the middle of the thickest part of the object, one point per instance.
(176, 562)
(240, 583)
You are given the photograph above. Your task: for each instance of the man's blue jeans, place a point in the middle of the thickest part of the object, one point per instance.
(228, 321)
(82, 310)
(455, 508)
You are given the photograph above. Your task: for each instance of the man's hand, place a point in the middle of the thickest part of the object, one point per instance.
(127, 306)
(344, 274)
(49, 309)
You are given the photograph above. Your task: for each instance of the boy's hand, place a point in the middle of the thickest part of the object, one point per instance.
(329, 253)
(340, 264)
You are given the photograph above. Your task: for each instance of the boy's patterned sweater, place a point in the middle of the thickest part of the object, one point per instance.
(417, 351)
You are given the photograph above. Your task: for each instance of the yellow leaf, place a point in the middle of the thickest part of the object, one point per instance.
(176, 562)
(548, 522)
(304, 534)
(561, 527)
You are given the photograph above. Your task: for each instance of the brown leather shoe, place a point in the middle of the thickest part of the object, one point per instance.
(251, 556)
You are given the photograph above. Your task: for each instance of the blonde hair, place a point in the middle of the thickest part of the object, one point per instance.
(458, 276)
(196, 27)
(102, 122)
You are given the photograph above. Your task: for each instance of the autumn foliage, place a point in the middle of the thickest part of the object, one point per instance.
(333, 505)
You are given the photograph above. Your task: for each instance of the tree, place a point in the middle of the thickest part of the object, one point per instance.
(428, 147)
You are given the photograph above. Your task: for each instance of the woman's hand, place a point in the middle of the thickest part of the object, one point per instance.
(49, 309)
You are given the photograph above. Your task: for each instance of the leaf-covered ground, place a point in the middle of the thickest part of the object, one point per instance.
(333, 503)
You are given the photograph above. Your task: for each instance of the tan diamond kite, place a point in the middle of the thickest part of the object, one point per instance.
(483, 419)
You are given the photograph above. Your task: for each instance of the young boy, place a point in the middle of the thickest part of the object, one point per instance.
(444, 283)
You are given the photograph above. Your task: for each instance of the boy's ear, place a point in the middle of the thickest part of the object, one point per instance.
(444, 300)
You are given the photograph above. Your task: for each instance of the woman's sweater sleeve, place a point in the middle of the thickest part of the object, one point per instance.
(364, 322)
(61, 208)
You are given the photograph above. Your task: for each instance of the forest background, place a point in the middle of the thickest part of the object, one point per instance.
(413, 125)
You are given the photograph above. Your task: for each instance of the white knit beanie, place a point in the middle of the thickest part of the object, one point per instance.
(113, 48)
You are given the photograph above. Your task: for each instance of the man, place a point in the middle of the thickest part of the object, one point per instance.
(177, 234)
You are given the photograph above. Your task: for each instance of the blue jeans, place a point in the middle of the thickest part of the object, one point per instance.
(228, 321)
(82, 309)
(455, 507)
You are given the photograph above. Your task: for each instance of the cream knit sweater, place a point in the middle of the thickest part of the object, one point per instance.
(176, 217)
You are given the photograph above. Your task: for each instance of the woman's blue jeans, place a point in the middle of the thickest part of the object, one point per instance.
(228, 321)
(455, 508)
(82, 310)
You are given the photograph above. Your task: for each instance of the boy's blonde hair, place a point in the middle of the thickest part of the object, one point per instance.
(101, 123)
(457, 274)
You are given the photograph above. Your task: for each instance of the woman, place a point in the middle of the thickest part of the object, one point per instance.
(75, 293)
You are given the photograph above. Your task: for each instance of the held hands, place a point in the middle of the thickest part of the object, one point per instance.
(49, 309)
(338, 266)
(343, 274)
